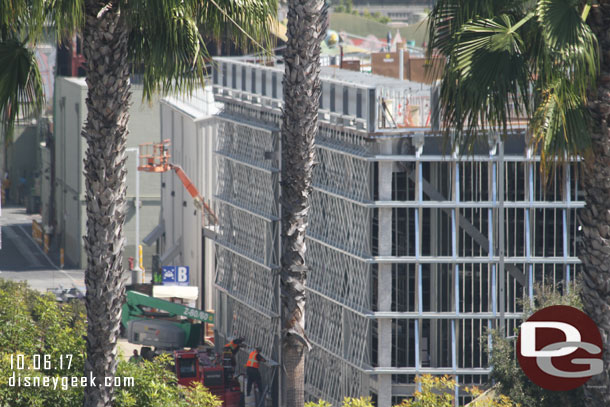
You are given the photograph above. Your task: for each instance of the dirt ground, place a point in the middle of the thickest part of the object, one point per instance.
(126, 348)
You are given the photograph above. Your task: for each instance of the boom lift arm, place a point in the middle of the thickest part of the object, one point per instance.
(135, 300)
(154, 157)
(192, 190)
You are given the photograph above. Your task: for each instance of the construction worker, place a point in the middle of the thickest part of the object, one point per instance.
(234, 345)
(252, 372)
(228, 357)
(135, 358)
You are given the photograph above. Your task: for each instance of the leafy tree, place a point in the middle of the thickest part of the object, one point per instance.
(164, 39)
(508, 374)
(38, 325)
(540, 60)
(347, 402)
(357, 402)
(434, 391)
(320, 403)
(439, 392)
(349, 6)
(35, 324)
(157, 386)
(499, 401)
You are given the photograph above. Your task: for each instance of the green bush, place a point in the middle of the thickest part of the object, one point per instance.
(35, 324)
(320, 403)
(347, 402)
(434, 391)
(155, 385)
(512, 382)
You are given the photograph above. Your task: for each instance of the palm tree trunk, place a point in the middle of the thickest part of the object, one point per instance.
(105, 50)
(595, 217)
(306, 27)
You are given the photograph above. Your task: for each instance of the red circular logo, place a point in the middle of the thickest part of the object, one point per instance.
(559, 348)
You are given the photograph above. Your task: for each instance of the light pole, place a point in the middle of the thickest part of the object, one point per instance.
(137, 277)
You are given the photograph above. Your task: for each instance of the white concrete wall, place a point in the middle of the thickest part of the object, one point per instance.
(144, 127)
(192, 135)
(70, 115)
(70, 94)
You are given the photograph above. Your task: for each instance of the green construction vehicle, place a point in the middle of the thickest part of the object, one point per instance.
(164, 328)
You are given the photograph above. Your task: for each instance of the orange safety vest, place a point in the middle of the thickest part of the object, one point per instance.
(231, 345)
(252, 361)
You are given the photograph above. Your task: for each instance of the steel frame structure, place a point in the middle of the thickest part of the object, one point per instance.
(413, 254)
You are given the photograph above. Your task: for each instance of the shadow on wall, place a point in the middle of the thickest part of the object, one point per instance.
(23, 164)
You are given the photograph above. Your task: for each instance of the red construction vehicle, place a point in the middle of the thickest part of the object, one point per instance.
(155, 157)
(191, 367)
(155, 322)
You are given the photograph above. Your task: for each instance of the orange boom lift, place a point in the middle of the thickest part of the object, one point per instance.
(155, 157)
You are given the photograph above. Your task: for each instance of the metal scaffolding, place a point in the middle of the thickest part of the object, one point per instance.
(413, 254)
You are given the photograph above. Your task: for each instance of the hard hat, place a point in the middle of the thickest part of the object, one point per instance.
(332, 38)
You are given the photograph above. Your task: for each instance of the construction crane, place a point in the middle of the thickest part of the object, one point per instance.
(165, 328)
(155, 157)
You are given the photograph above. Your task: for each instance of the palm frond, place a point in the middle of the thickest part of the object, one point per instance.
(560, 124)
(487, 79)
(448, 16)
(21, 88)
(67, 16)
(165, 36)
(10, 10)
(246, 22)
(165, 40)
(21, 18)
(536, 59)
(571, 42)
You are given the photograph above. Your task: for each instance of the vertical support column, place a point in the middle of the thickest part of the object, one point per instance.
(456, 270)
(278, 290)
(433, 347)
(565, 216)
(384, 281)
(528, 221)
(492, 168)
(371, 101)
(418, 141)
(501, 237)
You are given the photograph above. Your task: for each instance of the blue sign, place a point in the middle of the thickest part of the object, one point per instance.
(176, 275)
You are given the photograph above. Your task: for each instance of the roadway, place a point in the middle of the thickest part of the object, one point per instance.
(22, 259)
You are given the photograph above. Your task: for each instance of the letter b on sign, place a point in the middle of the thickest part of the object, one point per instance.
(182, 275)
(559, 348)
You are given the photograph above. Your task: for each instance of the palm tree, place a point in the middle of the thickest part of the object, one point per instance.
(539, 59)
(163, 38)
(307, 25)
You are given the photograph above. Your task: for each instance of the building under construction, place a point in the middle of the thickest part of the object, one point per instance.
(414, 251)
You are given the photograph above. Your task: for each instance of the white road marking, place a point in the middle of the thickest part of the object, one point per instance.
(25, 252)
(47, 257)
